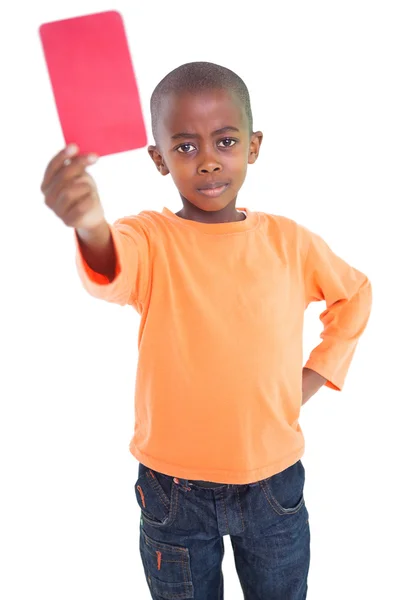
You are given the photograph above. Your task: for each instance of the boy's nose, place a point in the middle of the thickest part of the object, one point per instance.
(209, 165)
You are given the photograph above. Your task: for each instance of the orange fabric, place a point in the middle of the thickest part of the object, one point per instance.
(219, 374)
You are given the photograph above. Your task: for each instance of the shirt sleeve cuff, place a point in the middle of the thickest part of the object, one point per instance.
(334, 382)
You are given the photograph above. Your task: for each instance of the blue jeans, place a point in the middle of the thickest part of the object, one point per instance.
(182, 527)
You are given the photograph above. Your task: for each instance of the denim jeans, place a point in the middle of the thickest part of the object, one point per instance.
(182, 527)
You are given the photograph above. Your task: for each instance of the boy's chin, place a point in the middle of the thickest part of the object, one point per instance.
(208, 204)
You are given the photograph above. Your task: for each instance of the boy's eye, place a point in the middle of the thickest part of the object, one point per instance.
(185, 148)
(227, 142)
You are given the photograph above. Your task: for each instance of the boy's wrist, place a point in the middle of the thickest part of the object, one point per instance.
(311, 383)
(99, 235)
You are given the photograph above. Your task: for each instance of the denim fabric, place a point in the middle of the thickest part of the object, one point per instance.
(182, 527)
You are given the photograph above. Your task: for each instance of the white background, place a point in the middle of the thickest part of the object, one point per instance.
(324, 82)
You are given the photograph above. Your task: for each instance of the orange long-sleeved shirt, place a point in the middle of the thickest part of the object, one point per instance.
(219, 375)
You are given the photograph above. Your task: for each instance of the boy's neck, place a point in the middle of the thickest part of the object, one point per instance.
(229, 214)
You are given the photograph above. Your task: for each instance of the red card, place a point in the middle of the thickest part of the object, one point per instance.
(93, 81)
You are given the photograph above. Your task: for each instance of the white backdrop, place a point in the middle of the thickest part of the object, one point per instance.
(324, 81)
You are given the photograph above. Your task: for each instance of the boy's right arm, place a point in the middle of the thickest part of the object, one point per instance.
(98, 250)
(72, 194)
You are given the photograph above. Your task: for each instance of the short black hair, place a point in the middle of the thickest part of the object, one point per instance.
(196, 77)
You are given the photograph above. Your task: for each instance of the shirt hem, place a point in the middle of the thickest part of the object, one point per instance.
(220, 476)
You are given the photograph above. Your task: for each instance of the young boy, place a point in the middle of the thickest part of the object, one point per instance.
(220, 381)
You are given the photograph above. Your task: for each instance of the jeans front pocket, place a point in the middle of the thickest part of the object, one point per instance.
(157, 505)
(285, 491)
(167, 569)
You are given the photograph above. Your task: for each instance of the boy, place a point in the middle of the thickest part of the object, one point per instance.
(221, 292)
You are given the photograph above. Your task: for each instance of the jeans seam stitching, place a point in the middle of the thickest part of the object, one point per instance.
(226, 516)
(240, 508)
(277, 508)
(154, 484)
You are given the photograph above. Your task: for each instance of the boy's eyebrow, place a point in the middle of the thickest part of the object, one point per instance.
(196, 135)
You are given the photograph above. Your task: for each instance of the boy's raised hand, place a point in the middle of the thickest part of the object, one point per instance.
(71, 192)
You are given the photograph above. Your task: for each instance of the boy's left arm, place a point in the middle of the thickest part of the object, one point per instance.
(312, 382)
(348, 296)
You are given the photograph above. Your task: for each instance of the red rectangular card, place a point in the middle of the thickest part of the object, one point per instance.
(94, 84)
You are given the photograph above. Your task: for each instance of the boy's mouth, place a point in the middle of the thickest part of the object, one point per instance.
(212, 190)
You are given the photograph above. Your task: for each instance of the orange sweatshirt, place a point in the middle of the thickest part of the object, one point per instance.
(219, 374)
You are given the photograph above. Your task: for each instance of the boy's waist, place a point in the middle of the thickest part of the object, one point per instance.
(206, 484)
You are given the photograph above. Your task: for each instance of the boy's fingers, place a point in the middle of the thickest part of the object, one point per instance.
(55, 189)
(57, 163)
(76, 168)
(80, 185)
(64, 167)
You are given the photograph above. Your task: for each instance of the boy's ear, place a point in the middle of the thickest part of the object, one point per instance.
(255, 143)
(158, 160)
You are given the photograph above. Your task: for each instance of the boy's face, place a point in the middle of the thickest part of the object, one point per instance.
(203, 140)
